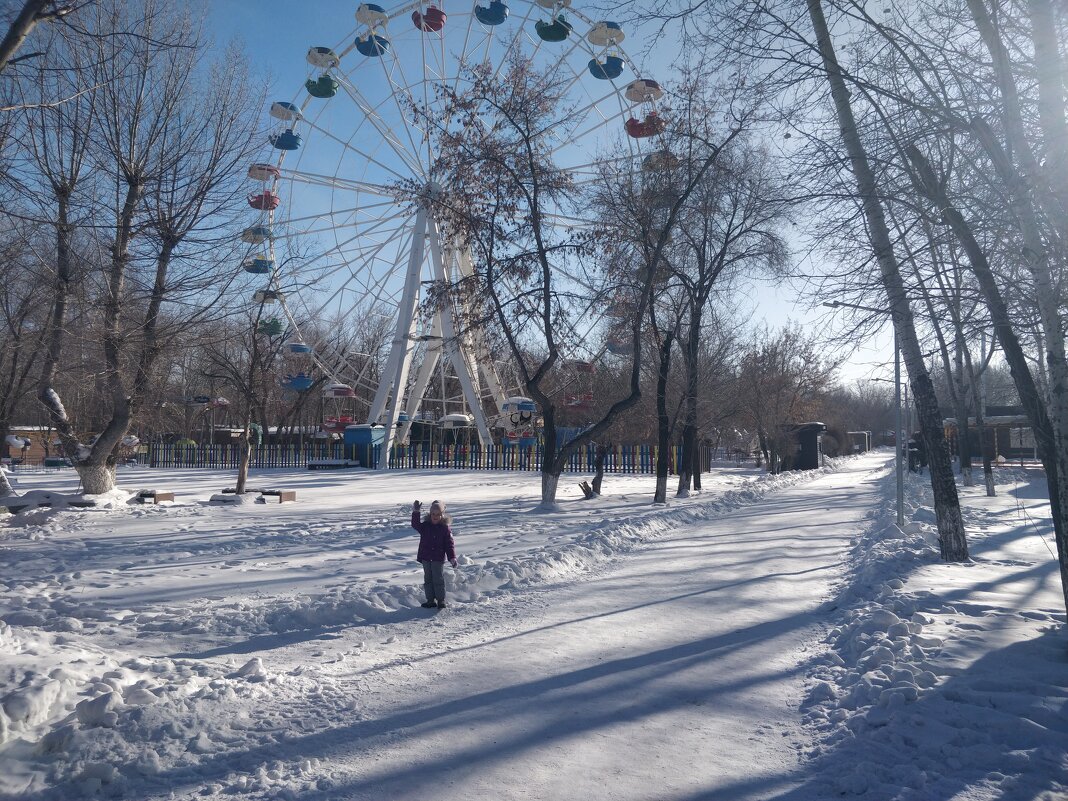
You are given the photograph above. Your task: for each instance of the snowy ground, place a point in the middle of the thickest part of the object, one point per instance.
(770, 638)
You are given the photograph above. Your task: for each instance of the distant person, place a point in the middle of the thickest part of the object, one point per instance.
(435, 546)
(917, 450)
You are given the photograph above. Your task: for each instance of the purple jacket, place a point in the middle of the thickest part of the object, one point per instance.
(435, 540)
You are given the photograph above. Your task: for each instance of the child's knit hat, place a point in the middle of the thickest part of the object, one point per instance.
(437, 505)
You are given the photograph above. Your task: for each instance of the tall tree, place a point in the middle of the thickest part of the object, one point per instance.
(170, 138)
(498, 189)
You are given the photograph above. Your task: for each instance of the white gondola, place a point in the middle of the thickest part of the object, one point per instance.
(605, 33)
(457, 420)
(371, 15)
(266, 296)
(263, 172)
(338, 391)
(323, 58)
(643, 90)
(285, 111)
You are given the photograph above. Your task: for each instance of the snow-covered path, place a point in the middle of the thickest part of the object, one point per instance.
(673, 674)
(774, 638)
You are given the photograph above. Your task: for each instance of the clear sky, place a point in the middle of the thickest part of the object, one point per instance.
(277, 36)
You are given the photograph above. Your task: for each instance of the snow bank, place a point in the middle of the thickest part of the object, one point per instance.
(916, 697)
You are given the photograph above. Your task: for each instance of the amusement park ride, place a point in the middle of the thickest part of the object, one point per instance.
(344, 144)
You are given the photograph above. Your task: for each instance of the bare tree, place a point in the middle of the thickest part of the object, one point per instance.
(781, 378)
(497, 189)
(32, 14)
(171, 144)
(22, 317)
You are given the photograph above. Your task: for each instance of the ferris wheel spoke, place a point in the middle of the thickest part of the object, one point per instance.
(427, 150)
(334, 182)
(312, 231)
(324, 215)
(580, 115)
(339, 250)
(383, 129)
(404, 116)
(520, 33)
(335, 298)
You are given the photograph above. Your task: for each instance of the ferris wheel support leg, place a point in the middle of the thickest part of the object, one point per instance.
(422, 378)
(400, 354)
(481, 350)
(451, 345)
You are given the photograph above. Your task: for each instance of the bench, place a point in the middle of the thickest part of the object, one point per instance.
(331, 464)
(281, 494)
(154, 496)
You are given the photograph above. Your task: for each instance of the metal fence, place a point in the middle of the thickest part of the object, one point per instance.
(619, 459)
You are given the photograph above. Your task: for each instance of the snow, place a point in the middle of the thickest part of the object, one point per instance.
(767, 637)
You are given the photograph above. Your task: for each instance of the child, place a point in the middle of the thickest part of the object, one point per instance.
(435, 545)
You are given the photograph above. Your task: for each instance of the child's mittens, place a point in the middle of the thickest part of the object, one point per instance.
(452, 562)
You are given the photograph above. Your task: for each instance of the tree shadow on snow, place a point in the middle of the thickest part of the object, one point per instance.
(972, 736)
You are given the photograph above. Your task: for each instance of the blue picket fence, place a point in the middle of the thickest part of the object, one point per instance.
(619, 459)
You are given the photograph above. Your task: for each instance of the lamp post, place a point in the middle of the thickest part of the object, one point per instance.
(212, 378)
(899, 439)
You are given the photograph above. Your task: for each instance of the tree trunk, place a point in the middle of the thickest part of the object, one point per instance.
(598, 468)
(32, 13)
(5, 486)
(1019, 367)
(550, 476)
(96, 478)
(951, 536)
(696, 468)
(689, 428)
(1023, 193)
(549, 484)
(763, 449)
(988, 467)
(56, 334)
(987, 435)
(244, 444)
(960, 409)
(1050, 71)
(663, 421)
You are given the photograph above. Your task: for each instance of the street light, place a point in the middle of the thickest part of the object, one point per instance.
(899, 443)
(212, 378)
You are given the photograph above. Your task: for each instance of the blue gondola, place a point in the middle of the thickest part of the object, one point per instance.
(287, 140)
(323, 87)
(611, 68)
(493, 14)
(372, 44)
(256, 234)
(258, 266)
(299, 347)
(555, 31)
(299, 382)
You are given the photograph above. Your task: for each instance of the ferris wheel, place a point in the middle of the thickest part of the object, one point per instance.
(338, 250)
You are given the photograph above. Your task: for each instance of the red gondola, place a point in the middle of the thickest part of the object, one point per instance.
(264, 201)
(650, 126)
(430, 21)
(336, 425)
